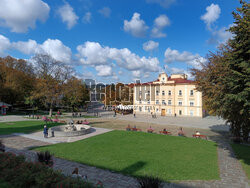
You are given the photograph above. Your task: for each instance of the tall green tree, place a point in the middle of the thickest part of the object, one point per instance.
(225, 79)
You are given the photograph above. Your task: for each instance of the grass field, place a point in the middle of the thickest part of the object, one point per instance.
(23, 126)
(243, 154)
(140, 154)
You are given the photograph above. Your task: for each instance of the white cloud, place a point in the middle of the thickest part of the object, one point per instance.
(19, 15)
(187, 57)
(163, 3)
(175, 70)
(217, 35)
(87, 17)
(53, 47)
(29, 47)
(150, 45)
(136, 74)
(212, 14)
(4, 44)
(92, 53)
(135, 26)
(159, 23)
(103, 70)
(67, 14)
(220, 36)
(146, 75)
(57, 50)
(105, 11)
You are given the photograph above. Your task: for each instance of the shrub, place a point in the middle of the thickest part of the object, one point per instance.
(149, 182)
(2, 147)
(17, 172)
(45, 158)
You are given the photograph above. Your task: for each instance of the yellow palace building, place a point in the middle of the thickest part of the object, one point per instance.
(168, 96)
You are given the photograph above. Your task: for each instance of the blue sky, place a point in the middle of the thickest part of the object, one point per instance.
(118, 40)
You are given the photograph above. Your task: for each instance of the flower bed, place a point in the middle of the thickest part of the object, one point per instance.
(20, 173)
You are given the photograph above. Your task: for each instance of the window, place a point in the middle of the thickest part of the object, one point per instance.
(180, 112)
(148, 92)
(163, 92)
(169, 111)
(140, 109)
(157, 102)
(163, 102)
(169, 92)
(180, 93)
(139, 92)
(148, 109)
(180, 103)
(140, 101)
(191, 92)
(157, 109)
(148, 101)
(191, 112)
(163, 78)
(157, 92)
(169, 102)
(191, 103)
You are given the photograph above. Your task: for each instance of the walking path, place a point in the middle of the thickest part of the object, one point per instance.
(231, 172)
(210, 122)
(9, 118)
(54, 140)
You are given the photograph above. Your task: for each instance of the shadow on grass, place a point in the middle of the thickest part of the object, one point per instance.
(242, 152)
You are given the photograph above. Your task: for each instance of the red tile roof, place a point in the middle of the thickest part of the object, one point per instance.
(180, 80)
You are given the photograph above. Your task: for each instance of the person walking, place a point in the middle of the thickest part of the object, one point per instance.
(45, 131)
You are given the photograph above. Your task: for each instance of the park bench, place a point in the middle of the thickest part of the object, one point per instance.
(200, 136)
(135, 129)
(165, 132)
(150, 130)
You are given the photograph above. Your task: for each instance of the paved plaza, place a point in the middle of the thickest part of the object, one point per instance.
(209, 122)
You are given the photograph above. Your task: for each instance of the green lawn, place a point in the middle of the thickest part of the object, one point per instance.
(23, 126)
(139, 154)
(243, 154)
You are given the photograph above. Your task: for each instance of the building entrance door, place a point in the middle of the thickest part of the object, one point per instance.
(163, 112)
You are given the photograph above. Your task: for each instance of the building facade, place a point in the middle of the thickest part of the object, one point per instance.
(168, 96)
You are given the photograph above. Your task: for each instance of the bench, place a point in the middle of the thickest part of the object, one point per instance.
(165, 132)
(199, 136)
(135, 129)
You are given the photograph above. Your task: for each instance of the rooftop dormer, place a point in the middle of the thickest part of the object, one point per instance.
(163, 78)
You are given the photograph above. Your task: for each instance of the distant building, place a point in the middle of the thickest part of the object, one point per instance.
(168, 96)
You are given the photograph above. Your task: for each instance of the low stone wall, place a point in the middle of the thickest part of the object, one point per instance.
(81, 130)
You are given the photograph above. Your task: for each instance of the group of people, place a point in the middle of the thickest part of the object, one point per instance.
(76, 114)
(82, 122)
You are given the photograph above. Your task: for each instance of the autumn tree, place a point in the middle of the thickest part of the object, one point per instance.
(17, 80)
(75, 93)
(51, 76)
(225, 79)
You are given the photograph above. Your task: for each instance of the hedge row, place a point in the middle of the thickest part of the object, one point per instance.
(20, 173)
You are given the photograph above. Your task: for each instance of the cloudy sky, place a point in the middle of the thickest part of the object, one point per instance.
(117, 40)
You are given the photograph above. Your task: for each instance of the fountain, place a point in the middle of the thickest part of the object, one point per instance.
(71, 129)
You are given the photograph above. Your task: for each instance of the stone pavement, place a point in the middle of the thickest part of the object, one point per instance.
(231, 173)
(53, 140)
(9, 118)
(211, 122)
